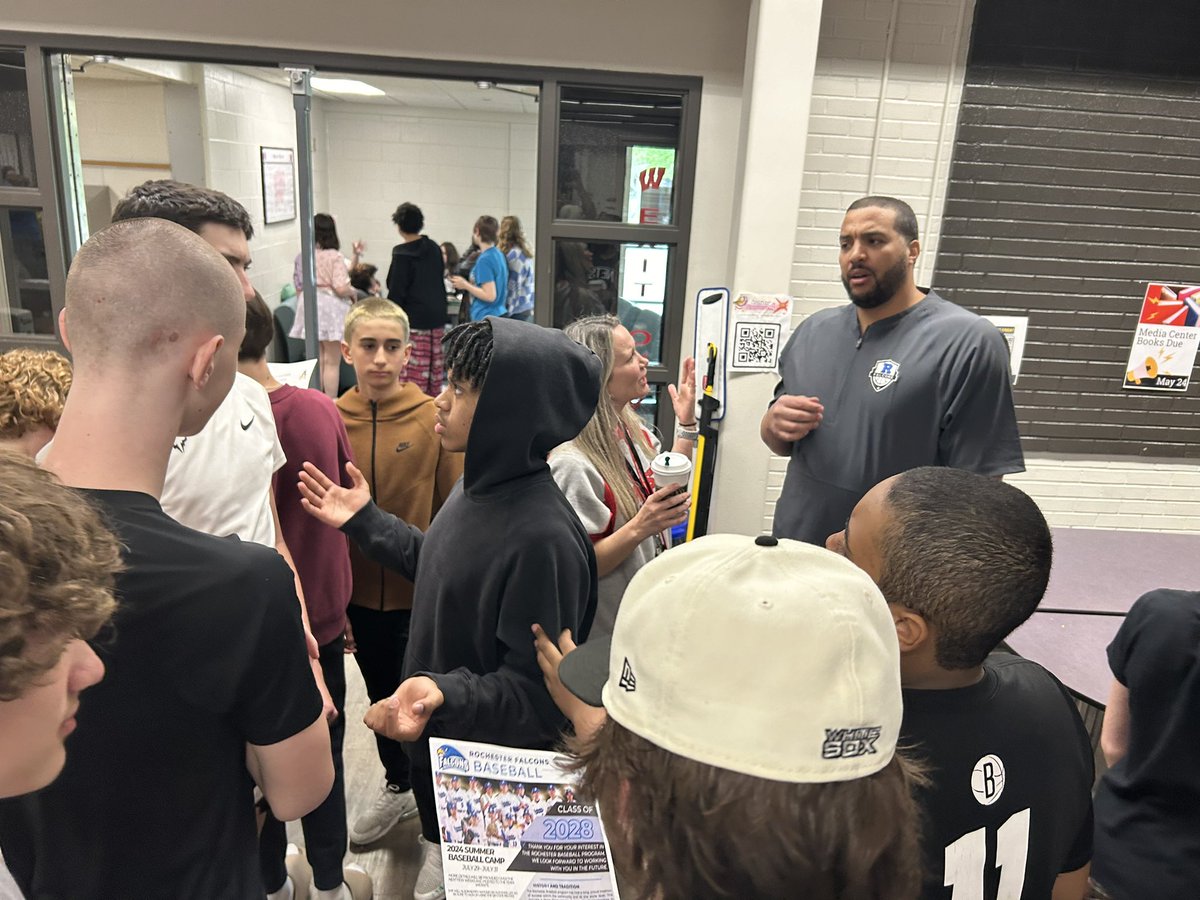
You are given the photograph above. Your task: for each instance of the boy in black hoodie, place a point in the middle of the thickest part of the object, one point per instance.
(505, 551)
(415, 283)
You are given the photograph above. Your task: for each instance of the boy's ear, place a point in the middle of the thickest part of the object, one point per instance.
(62, 328)
(204, 360)
(346, 354)
(911, 628)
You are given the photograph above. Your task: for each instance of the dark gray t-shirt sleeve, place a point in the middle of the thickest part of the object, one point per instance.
(979, 426)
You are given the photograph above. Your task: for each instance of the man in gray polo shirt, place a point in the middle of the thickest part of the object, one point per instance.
(900, 378)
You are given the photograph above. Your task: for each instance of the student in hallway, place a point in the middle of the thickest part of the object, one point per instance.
(208, 688)
(487, 288)
(391, 429)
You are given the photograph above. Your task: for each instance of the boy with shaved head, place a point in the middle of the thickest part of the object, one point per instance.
(207, 686)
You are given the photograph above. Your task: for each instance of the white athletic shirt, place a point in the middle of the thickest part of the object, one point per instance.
(219, 481)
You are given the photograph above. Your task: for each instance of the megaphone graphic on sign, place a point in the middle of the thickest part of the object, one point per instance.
(1147, 370)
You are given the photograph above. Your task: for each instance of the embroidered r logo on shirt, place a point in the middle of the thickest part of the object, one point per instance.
(883, 374)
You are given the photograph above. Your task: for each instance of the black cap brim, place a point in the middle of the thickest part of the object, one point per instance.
(584, 670)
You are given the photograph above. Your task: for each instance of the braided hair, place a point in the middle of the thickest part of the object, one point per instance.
(468, 352)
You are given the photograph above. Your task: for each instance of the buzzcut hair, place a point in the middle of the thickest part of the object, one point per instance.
(374, 308)
(33, 390)
(488, 229)
(467, 350)
(851, 839)
(184, 204)
(58, 564)
(260, 329)
(906, 219)
(409, 218)
(969, 553)
(143, 287)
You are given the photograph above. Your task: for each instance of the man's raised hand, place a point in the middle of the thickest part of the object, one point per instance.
(329, 502)
(793, 416)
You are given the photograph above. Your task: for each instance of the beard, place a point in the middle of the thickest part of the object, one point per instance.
(885, 288)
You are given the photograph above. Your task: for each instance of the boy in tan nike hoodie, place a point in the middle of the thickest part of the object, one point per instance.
(390, 425)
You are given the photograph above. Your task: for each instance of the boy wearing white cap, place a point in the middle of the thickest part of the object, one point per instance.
(750, 682)
(963, 559)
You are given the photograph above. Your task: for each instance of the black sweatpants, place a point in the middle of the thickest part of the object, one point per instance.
(382, 638)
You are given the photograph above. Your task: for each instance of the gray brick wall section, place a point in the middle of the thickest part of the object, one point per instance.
(1069, 192)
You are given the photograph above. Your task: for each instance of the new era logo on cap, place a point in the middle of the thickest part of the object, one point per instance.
(627, 680)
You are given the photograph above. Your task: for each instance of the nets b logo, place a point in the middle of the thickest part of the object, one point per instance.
(883, 374)
(627, 681)
(987, 780)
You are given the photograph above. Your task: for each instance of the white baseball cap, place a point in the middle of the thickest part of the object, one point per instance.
(764, 656)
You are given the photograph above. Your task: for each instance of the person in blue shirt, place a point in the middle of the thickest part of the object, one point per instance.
(488, 285)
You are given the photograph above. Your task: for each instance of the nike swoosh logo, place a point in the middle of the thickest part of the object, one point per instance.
(403, 445)
(246, 425)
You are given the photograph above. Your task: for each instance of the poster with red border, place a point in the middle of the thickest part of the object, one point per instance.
(1168, 335)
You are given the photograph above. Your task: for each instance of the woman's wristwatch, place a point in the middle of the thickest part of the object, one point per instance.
(688, 432)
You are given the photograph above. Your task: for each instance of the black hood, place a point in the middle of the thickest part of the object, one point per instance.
(420, 248)
(541, 389)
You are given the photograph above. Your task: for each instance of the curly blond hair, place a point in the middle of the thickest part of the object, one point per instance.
(58, 564)
(33, 389)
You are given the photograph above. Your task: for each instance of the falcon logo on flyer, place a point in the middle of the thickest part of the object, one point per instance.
(451, 758)
(884, 373)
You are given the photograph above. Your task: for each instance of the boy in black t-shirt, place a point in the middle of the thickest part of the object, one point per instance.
(208, 684)
(963, 560)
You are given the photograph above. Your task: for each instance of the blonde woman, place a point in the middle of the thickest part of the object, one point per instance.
(605, 472)
(520, 269)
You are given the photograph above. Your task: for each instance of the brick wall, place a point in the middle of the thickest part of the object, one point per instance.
(1071, 191)
(240, 114)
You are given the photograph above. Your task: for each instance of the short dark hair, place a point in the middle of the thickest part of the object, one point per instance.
(488, 228)
(409, 218)
(467, 349)
(184, 204)
(362, 276)
(969, 553)
(260, 328)
(906, 219)
(325, 232)
(825, 841)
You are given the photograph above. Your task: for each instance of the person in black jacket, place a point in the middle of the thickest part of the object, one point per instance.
(505, 551)
(415, 282)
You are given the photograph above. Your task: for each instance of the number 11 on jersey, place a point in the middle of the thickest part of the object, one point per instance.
(967, 857)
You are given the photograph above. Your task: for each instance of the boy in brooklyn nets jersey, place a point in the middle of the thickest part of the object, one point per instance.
(962, 560)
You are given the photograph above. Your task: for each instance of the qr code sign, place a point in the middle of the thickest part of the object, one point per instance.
(756, 345)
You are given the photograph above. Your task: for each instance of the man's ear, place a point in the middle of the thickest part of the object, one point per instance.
(914, 250)
(346, 354)
(204, 360)
(62, 328)
(911, 628)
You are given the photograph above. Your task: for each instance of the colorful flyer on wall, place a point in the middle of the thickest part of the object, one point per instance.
(512, 827)
(1168, 335)
(759, 324)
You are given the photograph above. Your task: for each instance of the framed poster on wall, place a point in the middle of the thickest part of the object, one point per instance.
(278, 184)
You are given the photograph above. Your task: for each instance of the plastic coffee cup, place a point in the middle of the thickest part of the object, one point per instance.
(671, 469)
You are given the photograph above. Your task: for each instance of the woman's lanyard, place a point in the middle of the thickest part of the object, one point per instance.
(645, 487)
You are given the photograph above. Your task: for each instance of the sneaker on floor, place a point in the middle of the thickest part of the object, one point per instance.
(390, 806)
(356, 885)
(431, 885)
(298, 870)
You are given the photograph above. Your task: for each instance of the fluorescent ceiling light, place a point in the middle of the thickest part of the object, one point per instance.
(345, 86)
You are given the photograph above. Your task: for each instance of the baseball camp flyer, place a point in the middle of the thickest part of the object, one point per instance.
(513, 828)
(1167, 337)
